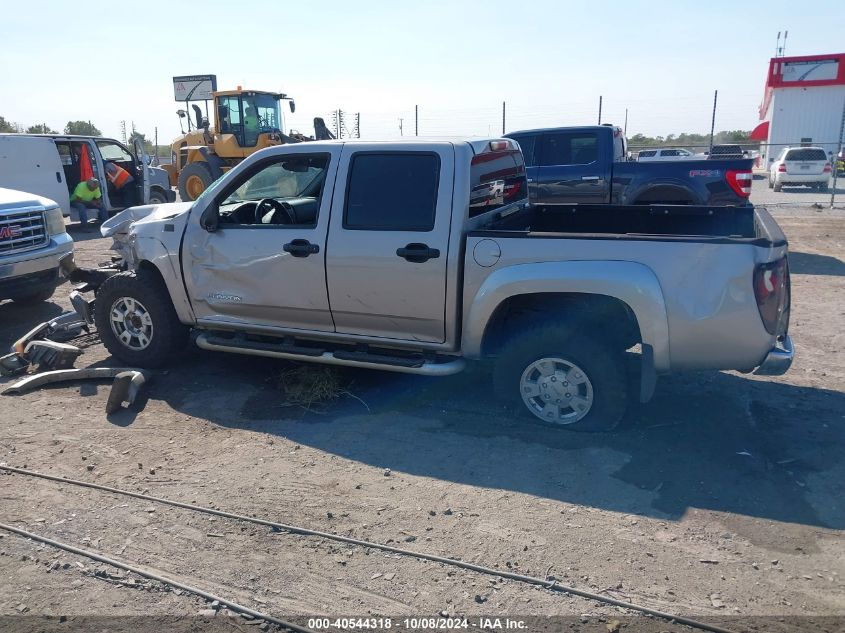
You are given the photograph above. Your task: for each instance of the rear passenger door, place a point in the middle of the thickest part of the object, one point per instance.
(388, 242)
(571, 169)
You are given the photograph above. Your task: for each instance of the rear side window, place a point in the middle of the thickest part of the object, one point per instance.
(527, 143)
(392, 192)
(806, 153)
(569, 149)
(647, 153)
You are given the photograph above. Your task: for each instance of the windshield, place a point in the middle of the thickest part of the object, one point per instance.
(261, 114)
(292, 178)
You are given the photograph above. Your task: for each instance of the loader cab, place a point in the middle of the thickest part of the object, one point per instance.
(245, 116)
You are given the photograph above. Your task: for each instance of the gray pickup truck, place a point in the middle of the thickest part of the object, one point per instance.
(418, 256)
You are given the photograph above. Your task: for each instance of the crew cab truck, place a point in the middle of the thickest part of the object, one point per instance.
(32, 240)
(420, 256)
(587, 165)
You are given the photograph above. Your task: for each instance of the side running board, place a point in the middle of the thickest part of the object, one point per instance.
(363, 359)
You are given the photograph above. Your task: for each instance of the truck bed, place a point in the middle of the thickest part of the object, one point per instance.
(685, 223)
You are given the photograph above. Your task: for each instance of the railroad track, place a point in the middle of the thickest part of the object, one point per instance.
(549, 584)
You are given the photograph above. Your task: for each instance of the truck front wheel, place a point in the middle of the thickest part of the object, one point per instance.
(136, 319)
(563, 377)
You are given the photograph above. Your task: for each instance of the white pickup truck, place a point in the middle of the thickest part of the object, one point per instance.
(416, 256)
(32, 240)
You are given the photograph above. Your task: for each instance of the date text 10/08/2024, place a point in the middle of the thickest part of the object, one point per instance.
(422, 623)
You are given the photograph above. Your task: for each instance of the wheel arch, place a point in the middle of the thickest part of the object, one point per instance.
(609, 288)
(153, 257)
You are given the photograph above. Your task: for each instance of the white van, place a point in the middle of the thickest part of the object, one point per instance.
(48, 165)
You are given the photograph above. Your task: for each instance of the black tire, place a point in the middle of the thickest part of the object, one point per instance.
(604, 368)
(167, 335)
(157, 197)
(198, 170)
(37, 297)
(778, 186)
(771, 184)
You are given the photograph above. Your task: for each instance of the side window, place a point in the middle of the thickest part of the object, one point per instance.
(114, 152)
(555, 150)
(569, 149)
(392, 192)
(284, 192)
(527, 143)
(585, 149)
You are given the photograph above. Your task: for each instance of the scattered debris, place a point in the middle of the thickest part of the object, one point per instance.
(716, 601)
(62, 375)
(51, 355)
(12, 364)
(125, 389)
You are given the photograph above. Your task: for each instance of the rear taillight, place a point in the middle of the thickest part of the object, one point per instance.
(739, 181)
(782, 167)
(771, 289)
(827, 168)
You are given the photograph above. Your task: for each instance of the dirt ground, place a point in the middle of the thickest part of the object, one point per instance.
(722, 497)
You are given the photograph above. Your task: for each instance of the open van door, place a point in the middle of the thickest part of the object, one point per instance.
(143, 170)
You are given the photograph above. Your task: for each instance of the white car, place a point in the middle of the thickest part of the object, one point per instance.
(800, 166)
(664, 154)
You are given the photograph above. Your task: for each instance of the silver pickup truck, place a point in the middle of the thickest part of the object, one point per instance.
(418, 256)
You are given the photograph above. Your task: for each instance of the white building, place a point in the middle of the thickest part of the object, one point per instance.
(803, 104)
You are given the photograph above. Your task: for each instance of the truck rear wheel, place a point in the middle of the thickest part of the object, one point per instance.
(193, 180)
(136, 319)
(563, 377)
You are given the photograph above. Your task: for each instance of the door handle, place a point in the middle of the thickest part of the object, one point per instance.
(418, 253)
(590, 178)
(301, 248)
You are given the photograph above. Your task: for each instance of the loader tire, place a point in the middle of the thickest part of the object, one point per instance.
(193, 180)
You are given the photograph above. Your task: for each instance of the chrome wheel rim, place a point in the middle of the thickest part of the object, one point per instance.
(131, 323)
(556, 390)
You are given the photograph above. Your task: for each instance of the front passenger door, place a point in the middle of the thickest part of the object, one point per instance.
(263, 268)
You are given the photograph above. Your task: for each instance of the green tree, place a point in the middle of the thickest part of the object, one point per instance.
(7, 126)
(84, 128)
(40, 128)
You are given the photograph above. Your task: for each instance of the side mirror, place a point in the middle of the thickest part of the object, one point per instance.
(210, 220)
(292, 105)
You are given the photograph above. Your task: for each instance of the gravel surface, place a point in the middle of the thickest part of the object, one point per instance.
(723, 496)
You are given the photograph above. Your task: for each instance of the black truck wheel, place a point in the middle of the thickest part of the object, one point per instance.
(563, 377)
(193, 180)
(136, 319)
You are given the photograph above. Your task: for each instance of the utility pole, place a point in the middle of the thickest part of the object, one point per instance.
(713, 120)
(416, 120)
(600, 99)
(357, 125)
(836, 158)
(123, 131)
(401, 133)
(625, 129)
(503, 117)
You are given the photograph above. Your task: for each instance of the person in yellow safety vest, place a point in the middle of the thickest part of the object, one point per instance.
(86, 196)
(118, 178)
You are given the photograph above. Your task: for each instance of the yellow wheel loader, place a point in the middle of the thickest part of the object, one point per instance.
(246, 121)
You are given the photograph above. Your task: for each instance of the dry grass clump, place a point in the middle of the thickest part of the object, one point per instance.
(312, 387)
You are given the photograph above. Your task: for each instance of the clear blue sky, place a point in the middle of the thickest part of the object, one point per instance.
(458, 60)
